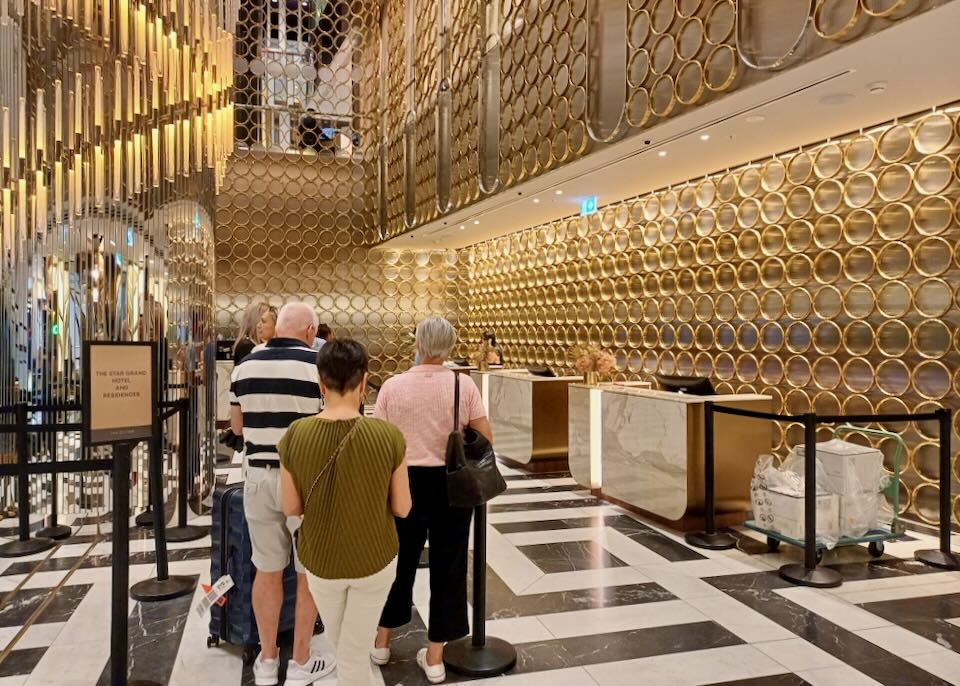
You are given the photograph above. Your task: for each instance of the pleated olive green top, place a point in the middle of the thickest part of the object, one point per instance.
(348, 530)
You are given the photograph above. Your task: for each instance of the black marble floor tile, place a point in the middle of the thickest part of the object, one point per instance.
(545, 489)
(503, 603)
(543, 475)
(551, 524)
(26, 601)
(570, 556)
(595, 649)
(758, 591)
(545, 505)
(775, 680)
(748, 544)
(883, 568)
(21, 662)
(568, 652)
(925, 617)
(155, 631)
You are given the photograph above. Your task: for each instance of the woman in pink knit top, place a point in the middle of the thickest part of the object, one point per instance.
(420, 403)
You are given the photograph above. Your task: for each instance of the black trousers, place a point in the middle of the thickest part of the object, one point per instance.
(448, 530)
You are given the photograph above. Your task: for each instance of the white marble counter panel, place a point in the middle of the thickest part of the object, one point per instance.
(510, 408)
(584, 402)
(644, 447)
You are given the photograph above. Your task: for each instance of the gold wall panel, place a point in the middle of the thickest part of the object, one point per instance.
(821, 277)
(316, 247)
(679, 55)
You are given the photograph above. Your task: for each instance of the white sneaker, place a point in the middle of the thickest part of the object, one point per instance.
(266, 672)
(436, 674)
(315, 669)
(380, 656)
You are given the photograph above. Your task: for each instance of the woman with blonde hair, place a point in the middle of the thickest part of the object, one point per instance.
(247, 338)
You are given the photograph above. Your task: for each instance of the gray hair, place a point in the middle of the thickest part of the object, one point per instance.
(248, 323)
(294, 320)
(435, 337)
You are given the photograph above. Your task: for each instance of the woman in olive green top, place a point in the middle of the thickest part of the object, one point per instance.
(347, 477)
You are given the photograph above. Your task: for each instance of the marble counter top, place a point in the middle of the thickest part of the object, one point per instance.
(683, 398)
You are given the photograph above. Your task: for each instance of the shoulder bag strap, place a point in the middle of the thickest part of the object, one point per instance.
(333, 458)
(456, 401)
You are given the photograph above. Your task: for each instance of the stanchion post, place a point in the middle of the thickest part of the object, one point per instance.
(119, 611)
(24, 545)
(55, 530)
(943, 557)
(710, 538)
(184, 532)
(808, 573)
(163, 586)
(479, 655)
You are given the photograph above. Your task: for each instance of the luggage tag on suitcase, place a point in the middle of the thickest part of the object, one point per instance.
(214, 594)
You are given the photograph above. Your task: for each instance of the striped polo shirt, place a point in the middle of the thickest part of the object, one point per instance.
(274, 387)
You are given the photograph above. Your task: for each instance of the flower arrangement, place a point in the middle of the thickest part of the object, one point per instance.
(592, 361)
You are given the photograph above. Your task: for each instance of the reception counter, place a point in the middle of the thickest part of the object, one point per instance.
(528, 415)
(644, 448)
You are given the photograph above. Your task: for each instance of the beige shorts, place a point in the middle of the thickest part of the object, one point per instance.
(271, 532)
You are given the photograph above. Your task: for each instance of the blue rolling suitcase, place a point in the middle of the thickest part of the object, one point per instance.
(231, 553)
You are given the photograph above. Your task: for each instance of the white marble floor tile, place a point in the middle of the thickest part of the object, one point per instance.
(65, 665)
(941, 662)
(740, 620)
(833, 609)
(688, 669)
(899, 641)
(795, 653)
(624, 618)
(519, 629)
(955, 621)
(14, 680)
(515, 569)
(680, 585)
(901, 592)
(197, 664)
(841, 675)
(587, 578)
(37, 636)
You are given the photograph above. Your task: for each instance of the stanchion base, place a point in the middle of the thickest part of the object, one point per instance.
(494, 658)
(57, 533)
(938, 558)
(153, 590)
(818, 577)
(181, 534)
(31, 546)
(714, 541)
(144, 519)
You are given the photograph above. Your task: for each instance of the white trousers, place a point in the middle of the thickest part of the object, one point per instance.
(350, 609)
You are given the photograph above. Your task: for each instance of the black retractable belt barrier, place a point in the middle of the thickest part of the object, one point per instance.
(810, 573)
(943, 557)
(54, 528)
(480, 655)
(163, 586)
(709, 538)
(183, 531)
(24, 545)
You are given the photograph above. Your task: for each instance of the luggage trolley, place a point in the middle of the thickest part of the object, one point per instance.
(874, 538)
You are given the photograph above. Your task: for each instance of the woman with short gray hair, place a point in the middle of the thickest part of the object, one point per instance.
(420, 403)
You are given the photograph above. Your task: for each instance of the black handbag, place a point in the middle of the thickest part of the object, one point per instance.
(472, 474)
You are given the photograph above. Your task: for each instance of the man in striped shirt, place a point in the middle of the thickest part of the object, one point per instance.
(271, 389)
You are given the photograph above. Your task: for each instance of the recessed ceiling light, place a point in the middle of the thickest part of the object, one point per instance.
(704, 136)
(877, 88)
(558, 192)
(836, 98)
(662, 153)
(755, 119)
(536, 200)
(476, 221)
(462, 227)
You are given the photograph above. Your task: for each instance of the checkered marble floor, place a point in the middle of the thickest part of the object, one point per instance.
(589, 594)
